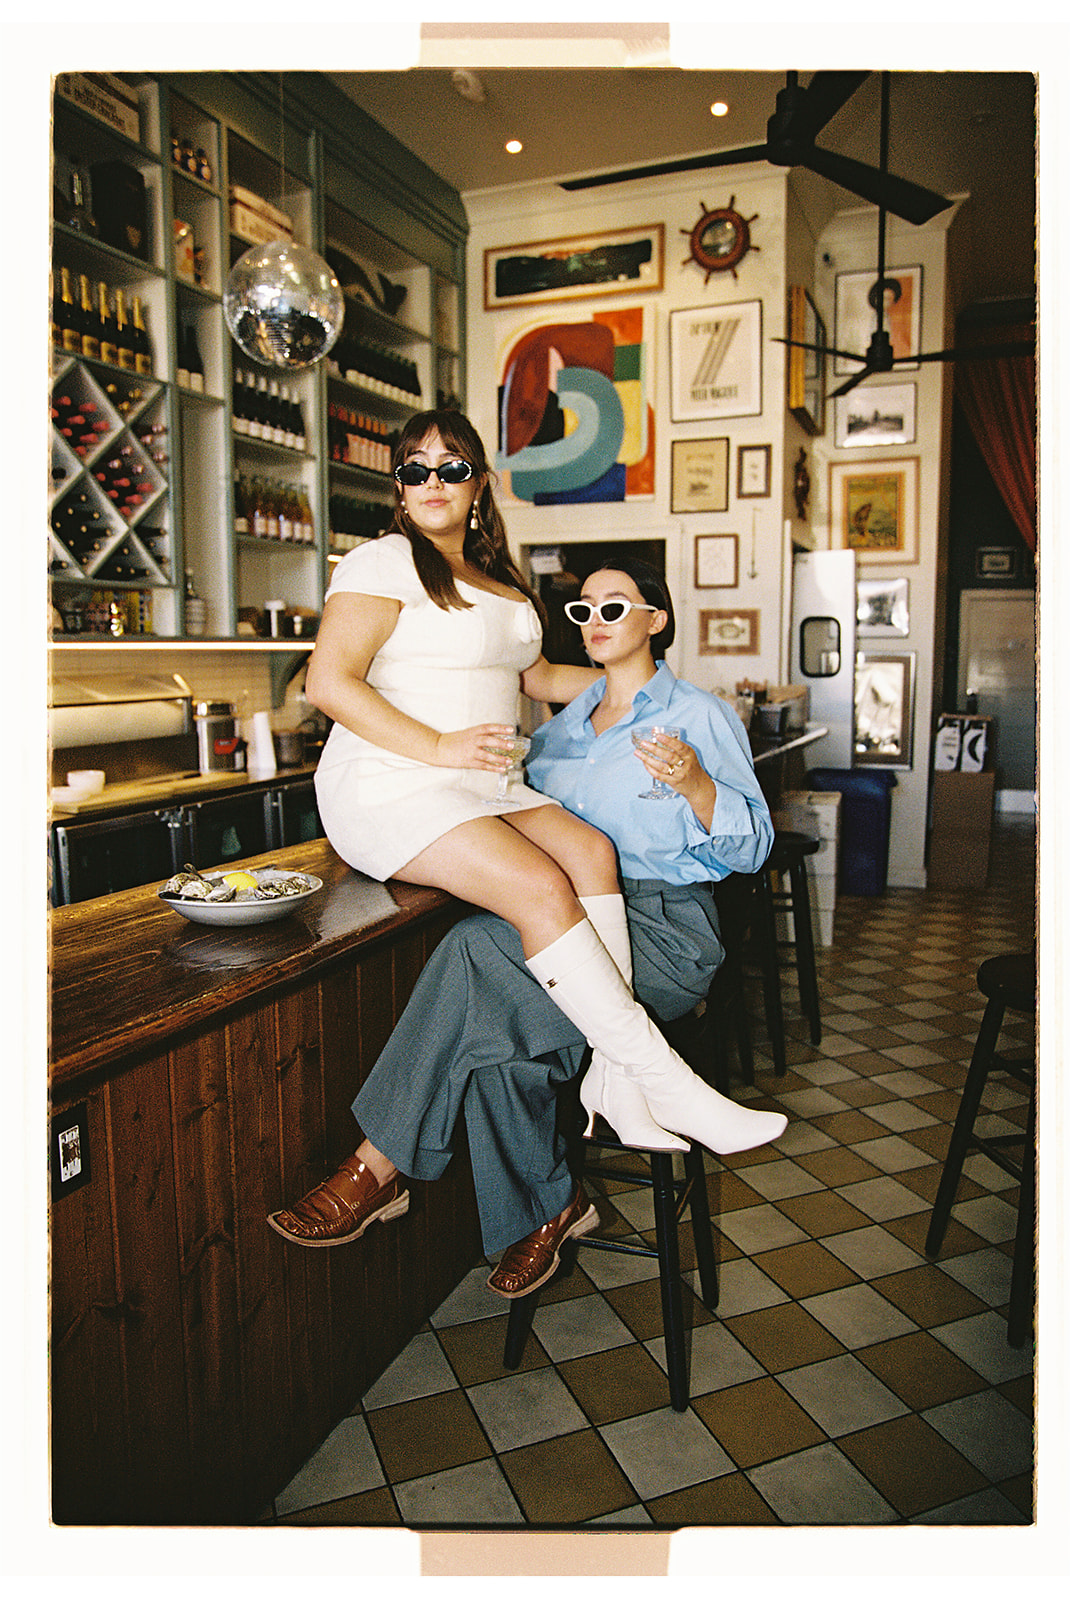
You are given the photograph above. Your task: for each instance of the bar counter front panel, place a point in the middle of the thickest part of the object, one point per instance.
(198, 1359)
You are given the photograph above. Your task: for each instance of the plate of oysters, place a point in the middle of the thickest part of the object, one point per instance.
(238, 897)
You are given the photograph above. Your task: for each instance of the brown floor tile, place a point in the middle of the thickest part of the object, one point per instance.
(822, 1213)
(869, 1063)
(861, 1092)
(741, 1159)
(561, 1482)
(475, 1350)
(784, 1336)
(928, 1295)
(729, 1192)
(729, 1501)
(427, 1435)
(1019, 1391)
(850, 1127)
(878, 1038)
(933, 1139)
(912, 1230)
(805, 1268)
(837, 1167)
(920, 1370)
(375, 1508)
(638, 1305)
(615, 1383)
(944, 1104)
(1020, 1492)
(911, 1465)
(757, 1421)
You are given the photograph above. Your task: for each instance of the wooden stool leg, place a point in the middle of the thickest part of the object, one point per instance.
(1020, 1310)
(521, 1315)
(972, 1090)
(765, 929)
(695, 1167)
(805, 962)
(669, 1273)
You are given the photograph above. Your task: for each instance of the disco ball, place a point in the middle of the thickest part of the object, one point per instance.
(283, 304)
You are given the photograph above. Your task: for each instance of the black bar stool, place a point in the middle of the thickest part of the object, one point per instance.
(1009, 984)
(787, 859)
(672, 1197)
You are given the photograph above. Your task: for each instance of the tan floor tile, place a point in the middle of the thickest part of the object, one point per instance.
(928, 1295)
(911, 1465)
(805, 1269)
(615, 1383)
(784, 1336)
(567, 1480)
(757, 1421)
(375, 1508)
(427, 1435)
(729, 1501)
(920, 1370)
(822, 1213)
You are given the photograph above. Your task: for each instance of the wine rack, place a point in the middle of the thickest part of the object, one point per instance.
(108, 506)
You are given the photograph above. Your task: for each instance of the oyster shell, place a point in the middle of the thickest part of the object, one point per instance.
(221, 891)
(176, 884)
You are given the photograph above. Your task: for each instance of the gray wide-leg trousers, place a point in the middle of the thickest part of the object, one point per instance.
(480, 1036)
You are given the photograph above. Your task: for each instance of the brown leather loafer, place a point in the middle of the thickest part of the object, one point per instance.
(339, 1210)
(529, 1262)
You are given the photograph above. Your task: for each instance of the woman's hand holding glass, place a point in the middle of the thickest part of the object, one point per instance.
(667, 759)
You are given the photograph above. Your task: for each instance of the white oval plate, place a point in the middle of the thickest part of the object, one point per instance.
(241, 913)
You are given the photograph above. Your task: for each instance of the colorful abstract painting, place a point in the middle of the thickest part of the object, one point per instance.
(575, 409)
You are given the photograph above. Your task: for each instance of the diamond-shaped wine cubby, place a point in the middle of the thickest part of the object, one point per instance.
(108, 503)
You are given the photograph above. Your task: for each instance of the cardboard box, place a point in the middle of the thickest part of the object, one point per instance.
(104, 96)
(255, 219)
(811, 811)
(961, 835)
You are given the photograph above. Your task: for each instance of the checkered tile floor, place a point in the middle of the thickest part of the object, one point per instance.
(845, 1379)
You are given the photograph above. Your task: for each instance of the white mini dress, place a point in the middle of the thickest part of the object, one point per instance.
(448, 669)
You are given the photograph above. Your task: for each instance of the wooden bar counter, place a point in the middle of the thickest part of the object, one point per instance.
(197, 1359)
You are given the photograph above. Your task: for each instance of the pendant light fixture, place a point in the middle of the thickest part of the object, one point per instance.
(282, 303)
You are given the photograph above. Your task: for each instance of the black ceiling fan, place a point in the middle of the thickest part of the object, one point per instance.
(800, 115)
(880, 357)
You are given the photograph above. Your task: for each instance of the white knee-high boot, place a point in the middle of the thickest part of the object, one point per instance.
(580, 977)
(606, 1089)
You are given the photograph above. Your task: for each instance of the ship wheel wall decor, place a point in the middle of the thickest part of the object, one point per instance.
(720, 239)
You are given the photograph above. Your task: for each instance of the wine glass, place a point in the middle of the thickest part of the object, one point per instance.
(516, 747)
(659, 790)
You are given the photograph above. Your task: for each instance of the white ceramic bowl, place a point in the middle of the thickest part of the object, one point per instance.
(242, 913)
(85, 783)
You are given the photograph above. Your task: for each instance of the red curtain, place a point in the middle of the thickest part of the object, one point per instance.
(998, 399)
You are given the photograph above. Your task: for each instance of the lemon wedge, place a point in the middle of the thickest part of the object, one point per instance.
(239, 880)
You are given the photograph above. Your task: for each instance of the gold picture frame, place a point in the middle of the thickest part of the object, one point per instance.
(873, 509)
(728, 633)
(806, 368)
(576, 267)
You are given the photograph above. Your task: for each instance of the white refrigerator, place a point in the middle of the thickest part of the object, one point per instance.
(823, 615)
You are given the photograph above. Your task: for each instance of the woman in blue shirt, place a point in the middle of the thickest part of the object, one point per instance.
(479, 1036)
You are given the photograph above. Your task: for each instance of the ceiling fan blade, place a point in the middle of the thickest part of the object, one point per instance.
(976, 352)
(660, 169)
(824, 95)
(851, 383)
(897, 195)
(822, 349)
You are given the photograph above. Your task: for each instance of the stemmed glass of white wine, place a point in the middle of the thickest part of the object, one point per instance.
(516, 747)
(650, 735)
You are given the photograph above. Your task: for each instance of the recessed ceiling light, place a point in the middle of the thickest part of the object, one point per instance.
(513, 146)
(719, 108)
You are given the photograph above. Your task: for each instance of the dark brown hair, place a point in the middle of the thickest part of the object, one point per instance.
(485, 547)
(655, 592)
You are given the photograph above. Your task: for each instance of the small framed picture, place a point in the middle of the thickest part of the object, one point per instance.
(873, 509)
(699, 475)
(728, 633)
(806, 361)
(884, 710)
(876, 415)
(753, 465)
(857, 297)
(717, 561)
(997, 561)
(883, 608)
(715, 361)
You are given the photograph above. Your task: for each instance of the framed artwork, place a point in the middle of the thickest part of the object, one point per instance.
(884, 710)
(753, 467)
(873, 509)
(728, 633)
(806, 368)
(574, 268)
(699, 475)
(715, 356)
(856, 314)
(717, 561)
(883, 608)
(879, 415)
(997, 561)
(576, 420)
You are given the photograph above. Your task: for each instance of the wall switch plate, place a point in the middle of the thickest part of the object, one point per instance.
(69, 1150)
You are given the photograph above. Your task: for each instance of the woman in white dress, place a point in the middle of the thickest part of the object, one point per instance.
(428, 634)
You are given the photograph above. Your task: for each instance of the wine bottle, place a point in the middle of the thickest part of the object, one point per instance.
(194, 363)
(90, 322)
(76, 214)
(142, 347)
(109, 350)
(124, 339)
(71, 321)
(241, 505)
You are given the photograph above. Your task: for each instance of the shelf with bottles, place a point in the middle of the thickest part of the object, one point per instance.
(194, 139)
(352, 520)
(107, 187)
(92, 404)
(90, 612)
(198, 349)
(99, 321)
(272, 509)
(267, 415)
(359, 442)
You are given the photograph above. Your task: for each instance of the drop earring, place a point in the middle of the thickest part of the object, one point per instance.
(473, 518)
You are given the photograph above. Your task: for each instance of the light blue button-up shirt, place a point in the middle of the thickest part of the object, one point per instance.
(600, 778)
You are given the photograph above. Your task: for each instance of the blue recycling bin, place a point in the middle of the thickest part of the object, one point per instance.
(865, 824)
